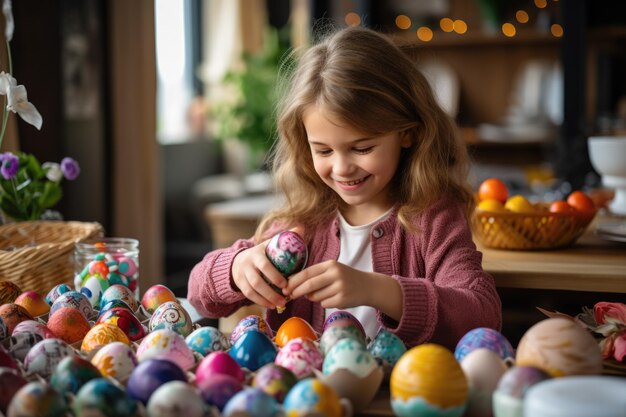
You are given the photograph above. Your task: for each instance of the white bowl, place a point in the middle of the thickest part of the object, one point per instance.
(608, 157)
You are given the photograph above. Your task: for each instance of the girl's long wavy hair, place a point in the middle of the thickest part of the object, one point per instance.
(360, 76)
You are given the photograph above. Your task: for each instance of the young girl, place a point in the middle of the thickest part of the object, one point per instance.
(374, 178)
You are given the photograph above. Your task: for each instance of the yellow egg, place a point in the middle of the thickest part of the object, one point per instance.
(490, 205)
(519, 204)
(33, 302)
(428, 375)
(102, 334)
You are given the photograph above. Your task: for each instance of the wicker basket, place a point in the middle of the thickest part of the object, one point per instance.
(529, 231)
(37, 255)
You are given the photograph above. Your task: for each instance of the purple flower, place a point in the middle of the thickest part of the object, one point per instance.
(70, 168)
(10, 165)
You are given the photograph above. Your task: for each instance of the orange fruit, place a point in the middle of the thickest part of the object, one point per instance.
(561, 207)
(493, 189)
(519, 204)
(581, 202)
(491, 205)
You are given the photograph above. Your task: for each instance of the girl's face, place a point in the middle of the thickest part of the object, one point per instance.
(357, 167)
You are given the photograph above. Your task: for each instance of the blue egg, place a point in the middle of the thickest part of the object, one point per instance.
(386, 347)
(104, 396)
(253, 402)
(311, 395)
(252, 350)
(206, 340)
(484, 337)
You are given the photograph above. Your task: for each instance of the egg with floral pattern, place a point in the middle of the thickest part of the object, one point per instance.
(155, 296)
(120, 292)
(166, 344)
(56, 292)
(102, 334)
(44, 357)
(116, 360)
(300, 356)
(250, 322)
(33, 302)
(206, 340)
(171, 315)
(311, 395)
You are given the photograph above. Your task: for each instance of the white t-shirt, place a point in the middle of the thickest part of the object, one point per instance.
(356, 251)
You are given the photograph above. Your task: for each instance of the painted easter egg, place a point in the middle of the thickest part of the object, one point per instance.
(300, 356)
(560, 347)
(44, 357)
(155, 296)
(252, 402)
(33, 302)
(116, 360)
(103, 398)
(351, 355)
(34, 326)
(69, 324)
(102, 334)
(6, 360)
(427, 380)
(150, 375)
(386, 347)
(21, 343)
(275, 380)
(8, 292)
(166, 344)
(334, 334)
(218, 389)
(113, 304)
(72, 373)
(509, 395)
(219, 362)
(10, 382)
(206, 340)
(120, 292)
(125, 320)
(310, 395)
(287, 251)
(251, 322)
(292, 328)
(341, 318)
(73, 299)
(12, 314)
(252, 350)
(38, 399)
(176, 399)
(171, 315)
(484, 337)
(56, 292)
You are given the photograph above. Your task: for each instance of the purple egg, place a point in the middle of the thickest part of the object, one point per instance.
(484, 337)
(252, 350)
(150, 375)
(518, 379)
(253, 402)
(218, 389)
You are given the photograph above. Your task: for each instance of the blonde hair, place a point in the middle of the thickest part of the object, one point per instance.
(365, 80)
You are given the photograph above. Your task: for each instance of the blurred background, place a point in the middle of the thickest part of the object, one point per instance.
(167, 104)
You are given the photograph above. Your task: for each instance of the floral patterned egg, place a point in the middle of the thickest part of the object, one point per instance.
(102, 334)
(218, 389)
(176, 399)
(4, 332)
(120, 292)
(8, 292)
(294, 327)
(21, 343)
(351, 355)
(484, 337)
(342, 318)
(38, 399)
(12, 314)
(56, 292)
(300, 356)
(72, 373)
(252, 402)
(252, 321)
(73, 299)
(33, 303)
(334, 334)
(93, 288)
(45, 356)
(310, 395)
(252, 350)
(149, 375)
(33, 326)
(10, 382)
(206, 340)
(166, 344)
(69, 324)
(171, 315)
(219, 363)
(386, 347)
(104, 397)
(116, 360)
(125, 320)
(287, 251)
(155, 296)
(427, 380)
(275, 380)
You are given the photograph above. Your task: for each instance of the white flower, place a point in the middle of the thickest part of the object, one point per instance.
(53, 171)
(17, 100)
(9, 26)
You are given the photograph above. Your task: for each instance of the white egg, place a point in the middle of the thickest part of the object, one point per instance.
(483, 369)
(351, 355)
(176, 399)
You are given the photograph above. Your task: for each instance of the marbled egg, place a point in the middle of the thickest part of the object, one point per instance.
(38, 399)
(275, 380)
(93, 288)
(21, 343)
(166, 344)
(342, 318)
(34, 326)
(310, 395)
(512, 387)
(116, 360)
(44, 357)
(484, 337)
(351, 355)
(427, 380)
(120, 292)
(73, 299)
(334, 334)
(300, 356)
(12, 314)
(252, 402)
(219, 362)
(292, 328)
(72, 373)
(125, 320)
(251, 322)
(8, 292)
(218, 389)
(287, 251)
(69, 324)
(171, 315)
(206, 340)
(10, 382)
(103, 334)
(155, 296)
(101, 397)
(33, 302)
(176, 399)
(252, 350)
(386, 347)
(150, 375)
(114, 304)
(56, 292)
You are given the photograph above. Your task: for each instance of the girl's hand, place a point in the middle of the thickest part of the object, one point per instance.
(249, 267)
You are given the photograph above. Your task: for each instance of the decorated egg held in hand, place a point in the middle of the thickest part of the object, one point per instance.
(287, 252)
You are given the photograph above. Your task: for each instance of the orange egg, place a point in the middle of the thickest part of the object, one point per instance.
(33, 302)
(294, 327)
(12, 314)
(69, 324)
(103, 334)
(561, 207)
(581, 202)
(493, 189)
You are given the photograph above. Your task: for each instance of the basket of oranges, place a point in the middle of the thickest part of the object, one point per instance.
(504, 222)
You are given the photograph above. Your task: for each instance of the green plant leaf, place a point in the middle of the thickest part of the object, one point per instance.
(50, 196)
